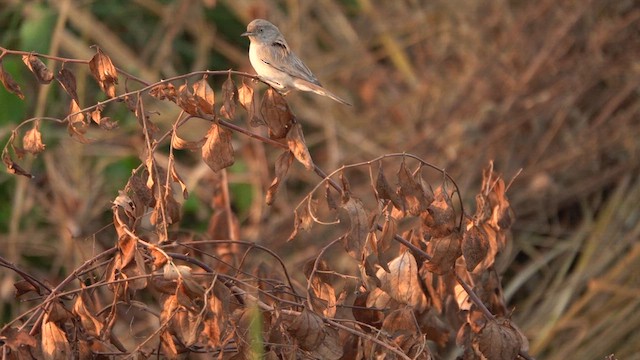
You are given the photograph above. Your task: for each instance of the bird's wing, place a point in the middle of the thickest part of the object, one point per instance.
(286, 61)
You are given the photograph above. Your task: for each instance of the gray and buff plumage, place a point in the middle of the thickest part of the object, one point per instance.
(276, 64)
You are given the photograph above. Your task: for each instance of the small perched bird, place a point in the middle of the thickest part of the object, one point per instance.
(276, 64)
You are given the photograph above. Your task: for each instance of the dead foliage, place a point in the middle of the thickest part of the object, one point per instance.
(207, 299)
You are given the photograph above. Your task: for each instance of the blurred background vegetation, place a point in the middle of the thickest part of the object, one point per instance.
(549, 87)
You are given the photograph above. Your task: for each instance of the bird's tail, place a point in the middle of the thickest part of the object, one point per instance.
(318, 89)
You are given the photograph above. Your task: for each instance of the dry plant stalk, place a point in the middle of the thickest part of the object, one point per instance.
(425, 269)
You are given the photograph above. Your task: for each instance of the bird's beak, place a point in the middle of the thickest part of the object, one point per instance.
(248, 33)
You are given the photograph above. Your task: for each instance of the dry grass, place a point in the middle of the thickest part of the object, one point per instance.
(547, 87)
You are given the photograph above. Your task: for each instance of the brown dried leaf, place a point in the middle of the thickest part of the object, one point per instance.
(12, 167)
(355, 239)
(385, 192)
(217, 151)
(282, 167)
(179, 143)
(10, 84)
(276, 113)
(499, 340)
(104, 122)
(247, 99)
(38, 68)
(307, 329)
(176, 177)
(21, 344)
(103, 70)
(84, 308)
(229, 98)
(76, 123)
(54, 342)
(402, 282)
(502, 216)
(441, 219)
(365, 314)
(389, 230)
(32, 140)
(444, 251)
(188, 102)
(475, 246)
(302, 221)
(24, 287)
(411, 192)
(204, 96)
(164, 91)
(68, 82)
(295, 140)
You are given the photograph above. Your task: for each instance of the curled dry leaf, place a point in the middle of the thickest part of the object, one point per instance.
(68, 82)
(385, 192)
(204, 96)
(402, 282)
(229, 98)
(247, 99)
(441, 218)
(164, 91)
(190, 103)
(276, 113)
(217, 151)
(181, 144)
(303, 219)
(411, 192)
(499, 340)
(104, 122)
(32, 140)
(355, 239)
(176, 177)
(309, 330)
(76, 123)
(12, 167)
(55, 345)
(444, 251)
(21, 344)
(38, 68)
(475, 246)
(10, 84)
(295, 140)
(84, 308)
(282, 167)
(103, 70)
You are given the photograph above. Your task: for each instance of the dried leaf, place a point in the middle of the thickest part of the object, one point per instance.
(441, 218)
(176, 177)
(12, 167)
(54, 342)
(104, 122)
(402, 282)
(179, 143)
(276, 113)
(246, 97)
(444, 251)
(68, 82)
(10, 84)
(307, 329)
(103, 70)
(217, 151)
(84, 308)
(499, 340)
(204, 96)
(365, 314)
(21, 344)
(302, 221)
(385, 192)
(38, 68)
(355, 239)
(229, 98)
(411, 192)
(164, 91)
(295, 140)
(32, 140)
(24, 287)
(282, 167)
(475, 246)
(76, 123)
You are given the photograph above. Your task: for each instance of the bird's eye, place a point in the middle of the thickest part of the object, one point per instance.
(260, 30)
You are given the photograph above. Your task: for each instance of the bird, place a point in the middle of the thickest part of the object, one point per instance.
(275, 63)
